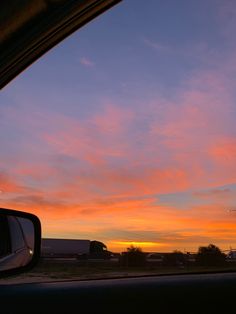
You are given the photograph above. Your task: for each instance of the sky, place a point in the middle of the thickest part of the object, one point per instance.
(125, 132)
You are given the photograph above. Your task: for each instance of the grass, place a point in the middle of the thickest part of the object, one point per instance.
(51, 270)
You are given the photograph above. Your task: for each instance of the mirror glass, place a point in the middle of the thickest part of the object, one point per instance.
(16, 241)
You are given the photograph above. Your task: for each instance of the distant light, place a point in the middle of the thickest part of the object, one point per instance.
(31, 252)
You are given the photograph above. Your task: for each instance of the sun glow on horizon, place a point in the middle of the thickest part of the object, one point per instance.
(146, 246)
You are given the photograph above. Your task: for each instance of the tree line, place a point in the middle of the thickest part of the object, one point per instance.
(210, 255)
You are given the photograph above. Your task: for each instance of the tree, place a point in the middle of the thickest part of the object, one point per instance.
(133, 257)
(210, 255)
(134, 250)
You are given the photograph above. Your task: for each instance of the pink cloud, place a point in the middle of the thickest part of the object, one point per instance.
(86, 62)
(93, 139)
(224, 151)
(9, 185)
(113, 119)
(173, 152)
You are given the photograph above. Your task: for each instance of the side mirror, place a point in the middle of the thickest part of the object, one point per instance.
(20, 241)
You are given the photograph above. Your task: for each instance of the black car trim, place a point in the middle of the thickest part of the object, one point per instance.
(43, 30)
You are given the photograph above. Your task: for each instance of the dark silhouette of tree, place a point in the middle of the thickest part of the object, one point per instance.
(176, 258)
(133, 249)
(210, 255)
(133, 257)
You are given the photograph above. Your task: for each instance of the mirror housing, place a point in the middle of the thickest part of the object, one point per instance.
(20, 241)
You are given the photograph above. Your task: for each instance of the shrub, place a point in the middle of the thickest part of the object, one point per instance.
(133, 257)
(210, 255)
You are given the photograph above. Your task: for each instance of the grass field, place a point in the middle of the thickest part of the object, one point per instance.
(56, 270)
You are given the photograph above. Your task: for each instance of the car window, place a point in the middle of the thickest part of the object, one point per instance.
(122, 139)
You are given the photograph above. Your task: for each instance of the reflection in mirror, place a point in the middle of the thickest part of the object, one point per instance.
(16, 241)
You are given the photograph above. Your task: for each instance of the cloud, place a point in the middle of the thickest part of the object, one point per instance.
(113, 119)
(224, 151)
(9, 185)
(118, 153)
(100, 135)
(6, 184)
(215, 193)
(163, 146)
(123, 220)
(99, 174)
(87, 62)
(156, 45)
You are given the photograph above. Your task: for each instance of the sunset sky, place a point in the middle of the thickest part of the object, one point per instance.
(126, 131)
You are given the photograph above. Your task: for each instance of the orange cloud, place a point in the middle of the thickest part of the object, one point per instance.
(168, 227)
